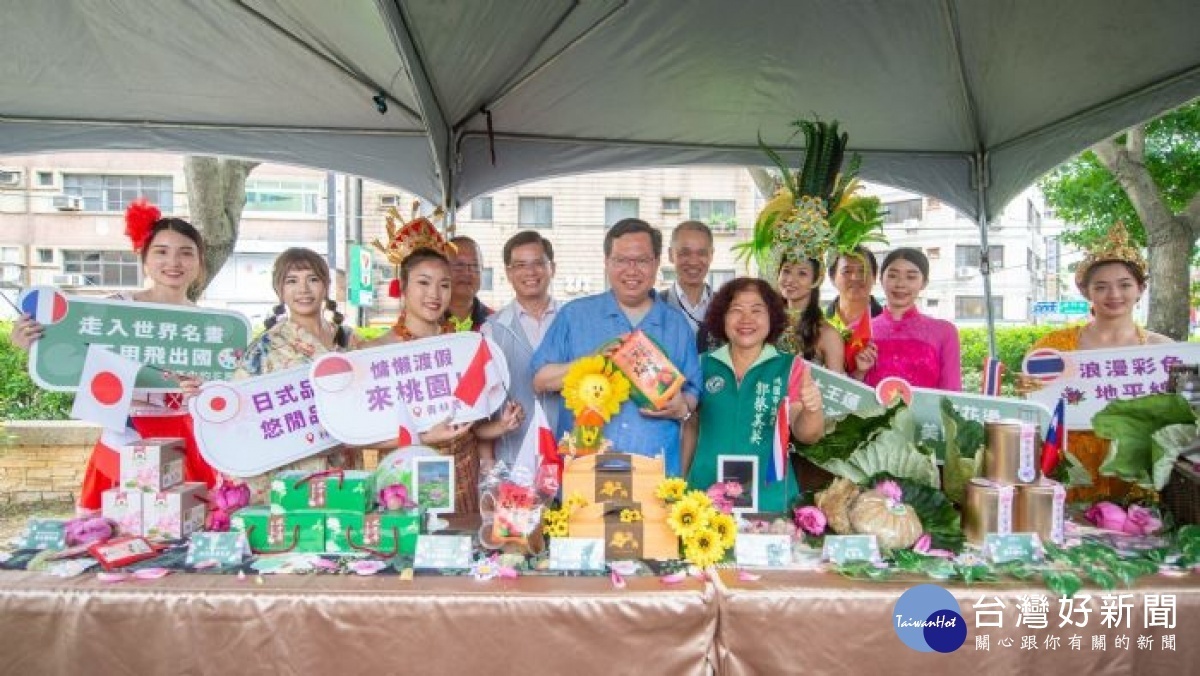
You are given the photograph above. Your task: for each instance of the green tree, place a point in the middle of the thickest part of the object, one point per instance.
(1149, 177)
(216, 196)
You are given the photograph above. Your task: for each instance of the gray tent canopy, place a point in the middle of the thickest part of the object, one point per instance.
(962, 100)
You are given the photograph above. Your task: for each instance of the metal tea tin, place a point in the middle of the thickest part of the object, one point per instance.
(1013, 452)
(1038, 508)
(988, 508)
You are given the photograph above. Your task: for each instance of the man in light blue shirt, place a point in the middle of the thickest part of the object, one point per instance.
(632, 250)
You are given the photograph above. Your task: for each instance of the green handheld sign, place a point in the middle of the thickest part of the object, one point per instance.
(203, 342)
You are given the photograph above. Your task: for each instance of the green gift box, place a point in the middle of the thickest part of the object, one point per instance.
(330, 490)
(270, 529)
(380, 533)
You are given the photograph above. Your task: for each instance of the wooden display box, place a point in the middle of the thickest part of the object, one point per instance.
(614, 477)
(647, 538)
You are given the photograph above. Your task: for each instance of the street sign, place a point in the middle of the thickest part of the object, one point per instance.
(1066, 308)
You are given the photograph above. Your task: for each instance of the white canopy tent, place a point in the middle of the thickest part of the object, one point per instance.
(967, 101)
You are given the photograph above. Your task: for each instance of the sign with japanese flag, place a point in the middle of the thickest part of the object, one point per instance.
(252, 426)
(365, 395)
(203, 342)
(105, 389)
(1088, 379)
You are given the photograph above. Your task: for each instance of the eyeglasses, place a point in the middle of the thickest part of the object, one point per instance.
(621, 262)
(465, 267)
(524, 266)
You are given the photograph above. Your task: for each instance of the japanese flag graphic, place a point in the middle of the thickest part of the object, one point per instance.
(105, 388)
(332, 373)
(46, 304)
(217, 403)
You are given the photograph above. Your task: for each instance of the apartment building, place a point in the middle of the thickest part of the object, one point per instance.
(61, 224)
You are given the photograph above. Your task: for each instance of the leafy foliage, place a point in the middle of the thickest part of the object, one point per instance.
(1129, 424)
(1083, 191)
(847, 435)
(20, 399)
(1011, 345)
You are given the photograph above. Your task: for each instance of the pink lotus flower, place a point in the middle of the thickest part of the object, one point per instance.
(1106, 515)
(811, 520)
(395, 497)
(890, 490)
(86, 530)
(733, 489)
(924, 546)
(1141, 521)
(720, 498)
(218, 521)
(230, 496)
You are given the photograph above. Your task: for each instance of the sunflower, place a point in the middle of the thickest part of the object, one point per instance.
(686, 518)
(700, 499)
(594, 384)
(555, 524)
(703, 548)
(725, 528)
(671, 490)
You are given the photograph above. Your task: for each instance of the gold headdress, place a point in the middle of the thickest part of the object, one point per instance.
(1116, 246)
(418, 233)
(817, 212)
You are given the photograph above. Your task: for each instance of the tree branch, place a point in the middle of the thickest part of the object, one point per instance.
(1135, 142)
(1131, 173)
(1191, 214)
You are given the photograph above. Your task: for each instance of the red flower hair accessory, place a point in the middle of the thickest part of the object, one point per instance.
(140, 217)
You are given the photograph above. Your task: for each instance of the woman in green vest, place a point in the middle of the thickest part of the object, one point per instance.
(747, 385)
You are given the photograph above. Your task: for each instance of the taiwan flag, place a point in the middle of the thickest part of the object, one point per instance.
(105, 388)
(1056, 439)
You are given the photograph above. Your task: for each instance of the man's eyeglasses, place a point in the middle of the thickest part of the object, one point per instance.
(465, 267)
(524, 266)
(621, 262)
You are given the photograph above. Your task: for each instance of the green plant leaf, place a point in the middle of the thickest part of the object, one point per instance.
(847, 435)
(1062, 583)
(1129, 424)
(1165, 446)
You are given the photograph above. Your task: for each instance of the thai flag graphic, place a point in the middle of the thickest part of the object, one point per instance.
(993, 371)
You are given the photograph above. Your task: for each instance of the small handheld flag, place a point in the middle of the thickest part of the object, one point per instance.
(474, 380)
(1056, 439)
(860, 336)
(993, 372)
(105, 388)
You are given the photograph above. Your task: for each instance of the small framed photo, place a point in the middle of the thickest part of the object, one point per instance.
(744, 470)
(433, 483)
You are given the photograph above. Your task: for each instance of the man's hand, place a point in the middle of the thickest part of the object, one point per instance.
(678, 408)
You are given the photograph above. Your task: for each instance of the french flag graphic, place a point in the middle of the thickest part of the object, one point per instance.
(46, 304)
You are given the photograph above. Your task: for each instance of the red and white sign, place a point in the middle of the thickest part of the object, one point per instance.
(252, 426)
(105, 388)
(364, 397)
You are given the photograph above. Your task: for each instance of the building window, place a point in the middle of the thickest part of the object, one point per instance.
(618, 208)
(931, 303)
(112, 193)
(971, 307)
(481, 209)
(903, 210)
(45, 255)
(717, 278)
(104, 268)
(287, 196)
(486, 276)
(719, 213)
(670, 205)
(967, 256)
(934, 253)
(535, 212)
(1033, 216)
(45, 179)
(10, 264)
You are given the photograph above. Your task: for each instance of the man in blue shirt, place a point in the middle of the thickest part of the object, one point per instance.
(632, 250)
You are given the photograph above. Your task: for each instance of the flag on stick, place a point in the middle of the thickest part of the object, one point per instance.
(993, 371)
(1056, 439)
(105, 388)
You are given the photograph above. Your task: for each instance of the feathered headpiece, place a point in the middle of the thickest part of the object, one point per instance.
(418, 233)
(1116, 246)
(140, 217)
(818, 211)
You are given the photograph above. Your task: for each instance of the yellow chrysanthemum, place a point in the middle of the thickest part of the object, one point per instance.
(594, 384)
(575, 501)
(700, 499)
(725, 528)
(703, 548)
(671, 490)
(555, 529)
(686, 518)
(630, 515)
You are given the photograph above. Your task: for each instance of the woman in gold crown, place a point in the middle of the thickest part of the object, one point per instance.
(1112, 277)
(423, 283)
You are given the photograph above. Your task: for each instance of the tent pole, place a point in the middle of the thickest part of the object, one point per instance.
(985, 264)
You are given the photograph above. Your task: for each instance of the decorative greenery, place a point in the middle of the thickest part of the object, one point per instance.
(889, 450)
(847, 435)
(20, 399)
(1130, 424)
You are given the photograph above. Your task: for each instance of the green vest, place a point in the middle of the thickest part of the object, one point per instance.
(739, 419)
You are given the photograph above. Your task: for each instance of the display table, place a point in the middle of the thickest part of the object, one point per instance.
(814, 623)
(342, 625)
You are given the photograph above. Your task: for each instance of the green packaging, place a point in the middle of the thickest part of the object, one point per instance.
(380, 533)
(333, 490)
(270, 529)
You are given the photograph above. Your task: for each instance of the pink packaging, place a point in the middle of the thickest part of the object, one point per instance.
(123, 508)
(151, 465)
(176, 512)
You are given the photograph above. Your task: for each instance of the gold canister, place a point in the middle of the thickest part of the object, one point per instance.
(1039, 508)
(1013, 452)
(988, 509)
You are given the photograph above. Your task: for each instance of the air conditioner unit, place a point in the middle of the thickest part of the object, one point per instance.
(10, 179)
(69, 280)
(965, 272)
(68, 203)
(389, 201)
